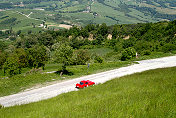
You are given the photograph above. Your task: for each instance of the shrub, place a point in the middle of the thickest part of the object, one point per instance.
(80, 57)
(1, 106)
(118, 47)
(87, 47)
(11, 65)
(98, 59)
(146, 52)
(112, 56)
(168, 47)
(34, 71)
(128, 53)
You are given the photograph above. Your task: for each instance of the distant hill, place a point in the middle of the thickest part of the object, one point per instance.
(83, 12)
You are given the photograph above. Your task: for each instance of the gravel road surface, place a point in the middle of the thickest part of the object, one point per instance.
(69, 85)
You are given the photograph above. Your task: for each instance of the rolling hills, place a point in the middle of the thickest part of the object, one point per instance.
(83, 12)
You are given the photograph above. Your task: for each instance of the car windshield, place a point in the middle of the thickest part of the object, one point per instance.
(81, 83)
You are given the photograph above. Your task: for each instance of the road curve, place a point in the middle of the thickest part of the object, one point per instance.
(69, 85)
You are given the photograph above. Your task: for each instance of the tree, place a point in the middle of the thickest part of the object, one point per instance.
(168, 47)
(76, 43)
(98, 59)
(81, 57)
(2, 59)
(128, 53)
(90, 27)
(129, 43)
(11, 65)
(115, 32)
(103, 29)
(100, 39)
(26, 41)
(46, 39)
(22, 58)
(2, 45)
(84, 33)
(18, 32)
(29, 31)
(37, 56)
(63, 54)
(118, 47)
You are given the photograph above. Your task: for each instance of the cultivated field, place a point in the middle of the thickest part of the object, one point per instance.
(88, 11)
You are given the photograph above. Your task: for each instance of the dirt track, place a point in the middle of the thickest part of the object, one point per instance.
(69, 85)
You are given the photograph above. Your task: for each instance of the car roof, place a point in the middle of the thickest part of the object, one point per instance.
(86, 81)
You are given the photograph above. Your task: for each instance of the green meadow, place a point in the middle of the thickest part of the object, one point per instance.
(17, 22)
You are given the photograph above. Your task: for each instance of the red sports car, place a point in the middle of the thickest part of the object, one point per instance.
(84, 83)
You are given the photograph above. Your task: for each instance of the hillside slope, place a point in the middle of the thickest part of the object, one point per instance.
(148, 94)
(93, 11)
(69, 85)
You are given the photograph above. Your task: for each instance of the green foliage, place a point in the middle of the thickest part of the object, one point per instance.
(76, 43)
(146, 39)
(1, 106)
(11, 65)
(153, 55)
(98, 40)
(115, 32)
(118, 47)
(27, 41)
(34, 71)
(128, 43)
(46, 39)
(111, 43)
(2, 45)
(98, 59)
(143, 45)
(22, 58)
(84, 33)
(168, 47)
(63, 54)
(146, 52)
(128, 53)
(2, 59)
(103, 29)
(37, 56)
(80, 57)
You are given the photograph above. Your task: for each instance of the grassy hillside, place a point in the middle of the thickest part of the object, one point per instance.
(16, 21)
(148, 94)
(95, 11)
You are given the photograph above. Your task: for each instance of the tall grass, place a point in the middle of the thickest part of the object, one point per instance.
(143, 95)
(155, 55)
(21, 82)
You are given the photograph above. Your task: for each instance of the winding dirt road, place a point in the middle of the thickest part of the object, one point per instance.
(69, 85)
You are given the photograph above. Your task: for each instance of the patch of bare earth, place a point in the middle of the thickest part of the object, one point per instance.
(109, 37)
(61, 25)
(126, 37)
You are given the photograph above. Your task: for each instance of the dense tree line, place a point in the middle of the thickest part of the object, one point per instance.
(69, 47)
